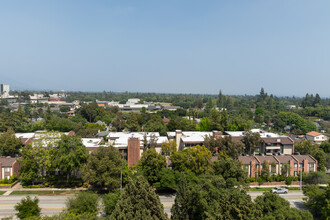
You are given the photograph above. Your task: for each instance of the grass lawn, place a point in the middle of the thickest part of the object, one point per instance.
(2, 192)
(26, 192)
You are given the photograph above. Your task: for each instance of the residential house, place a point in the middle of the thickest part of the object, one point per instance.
(8, 166)
(316, 137)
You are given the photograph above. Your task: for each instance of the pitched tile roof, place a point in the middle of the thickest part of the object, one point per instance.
(313, 133)
(7, 161)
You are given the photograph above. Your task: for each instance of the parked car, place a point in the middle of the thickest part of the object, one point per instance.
(279, 190)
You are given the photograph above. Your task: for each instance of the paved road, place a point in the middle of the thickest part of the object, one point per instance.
(55, 204)
(49, 204)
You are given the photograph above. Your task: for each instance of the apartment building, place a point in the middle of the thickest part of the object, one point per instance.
(296, 163)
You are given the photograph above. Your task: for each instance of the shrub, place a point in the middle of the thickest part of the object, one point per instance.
(83, 203)
(5, 180)
(12, 179)
(260, 181)
(288, 180)
(28, 208)
(85, 185)
(295, 178)
(251, 180)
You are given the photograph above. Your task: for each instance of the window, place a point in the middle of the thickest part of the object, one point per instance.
(300, 165)
(311, 165)
(295, 165)
(261, 166)
(257, 166)
(7, 169)
(295, 173)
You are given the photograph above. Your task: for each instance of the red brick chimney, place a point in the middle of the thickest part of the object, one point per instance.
(133, 151)
(217, 134)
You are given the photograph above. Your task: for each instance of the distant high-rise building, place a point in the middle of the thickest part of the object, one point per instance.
(4, 90)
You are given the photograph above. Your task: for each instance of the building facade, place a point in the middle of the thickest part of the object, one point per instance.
(277, 164)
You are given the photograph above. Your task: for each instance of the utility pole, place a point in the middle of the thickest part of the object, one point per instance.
(301, 177)
(121, 180)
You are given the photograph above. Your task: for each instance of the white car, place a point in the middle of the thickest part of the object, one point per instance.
(279, 190)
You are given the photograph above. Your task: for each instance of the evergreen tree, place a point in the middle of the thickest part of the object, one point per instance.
(317, 100)
(181, 203)
(138, 201)
(220, 101)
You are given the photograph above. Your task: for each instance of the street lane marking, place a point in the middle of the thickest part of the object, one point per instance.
(42, 209)
(39, 203)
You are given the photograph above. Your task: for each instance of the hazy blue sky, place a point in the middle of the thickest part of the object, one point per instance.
(184, 46)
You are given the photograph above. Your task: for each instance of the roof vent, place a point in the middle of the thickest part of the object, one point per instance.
(278, 140)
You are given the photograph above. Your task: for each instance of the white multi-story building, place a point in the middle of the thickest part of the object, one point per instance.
(4, 90)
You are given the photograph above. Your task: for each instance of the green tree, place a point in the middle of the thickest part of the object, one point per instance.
(9, 144)
(265, 172)
(167, 180)
(29, 166)
(103, 168)
(220, 101)
(224, 120)
(118, 122)
(318, 201)
(155, 124)
(325, 146)
(204, 125)
(213, 143)
(273, 206)
(110, 201)
(83, 203)
(138, 201)
(70, 155)
(196, 159)
(285, 171)
(231, 148)
(168, 147)
(151, 163)
(88, 111)
(209, 199)
(149, 142)
(180, 207)
(291, 118)
(215, 120)
(231, 170)
(307, 147)
(28, 208)
(316, 178)
(64, 108)
(252, 140)
(133, 122)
